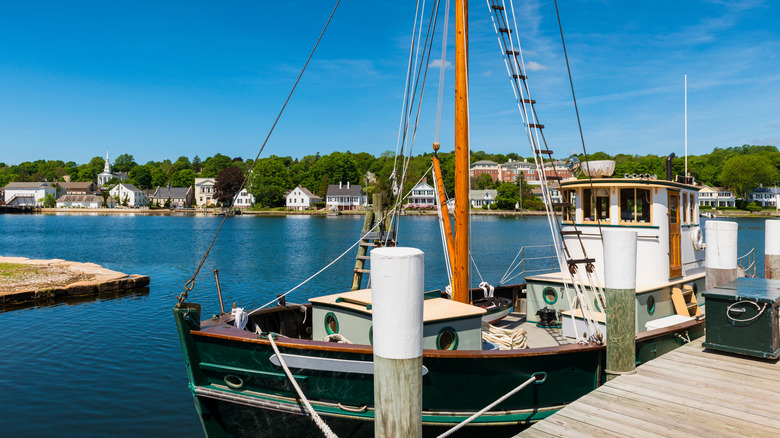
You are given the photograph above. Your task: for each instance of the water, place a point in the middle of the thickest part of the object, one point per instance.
(114, 365)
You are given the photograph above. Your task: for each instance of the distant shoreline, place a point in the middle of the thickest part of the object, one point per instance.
(212, 212)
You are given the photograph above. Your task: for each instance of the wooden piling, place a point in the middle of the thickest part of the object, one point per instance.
(772, 249)
(397, 316)
(720, 253)
(620, 291)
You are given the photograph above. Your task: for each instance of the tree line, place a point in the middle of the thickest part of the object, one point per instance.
(740, 168)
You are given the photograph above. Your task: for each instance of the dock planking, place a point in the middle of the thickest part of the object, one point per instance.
(689, 392)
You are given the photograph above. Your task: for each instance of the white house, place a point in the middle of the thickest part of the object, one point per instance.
(479, 198)
(204, 191)
(423, 196)
(84, 201)
(766, 196)
(28, 193)
(716, 197)
(244, 199)
(344, 197)
(300, 198)
(130, 193)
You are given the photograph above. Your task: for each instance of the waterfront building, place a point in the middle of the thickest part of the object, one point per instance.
(513, 169)
(766, 196)
(244, 199)
(179, 196)
(423, 196)
(131, 194)
(716, 197)
(300, 198)
(28, 193)
(344, 197)
(80, 188)
(484, 167)
(84, 201)
(106, 175)
(204, 192)
(479, 198)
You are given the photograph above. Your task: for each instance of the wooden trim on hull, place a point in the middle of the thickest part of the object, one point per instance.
(232, 334)
(430, 418)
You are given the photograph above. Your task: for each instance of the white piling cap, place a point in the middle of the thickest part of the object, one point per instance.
(619, 259)
(397, 284)
(721, 249)
(772, 237)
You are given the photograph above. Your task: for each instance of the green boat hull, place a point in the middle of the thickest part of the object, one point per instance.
(237, 387)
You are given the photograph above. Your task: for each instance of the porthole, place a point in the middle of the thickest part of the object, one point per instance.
(650, 304)
(550, 295)
(331, 323)
(371, 335)
(447, 339)
(597, 304)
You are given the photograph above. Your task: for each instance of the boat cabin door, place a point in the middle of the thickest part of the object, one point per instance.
(675, 262)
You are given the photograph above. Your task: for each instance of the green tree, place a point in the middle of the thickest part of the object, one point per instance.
(49, 201)
(124, 163)
(183, 178)
(508, 196)
(270, 181)
(214, 165)
(196, 165)
(743, 173)
(141, 176)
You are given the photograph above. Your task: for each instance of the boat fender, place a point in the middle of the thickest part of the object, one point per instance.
(240, 317)
(697, 238)
(487, 288)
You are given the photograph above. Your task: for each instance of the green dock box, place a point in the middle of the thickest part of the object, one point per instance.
(742, 317)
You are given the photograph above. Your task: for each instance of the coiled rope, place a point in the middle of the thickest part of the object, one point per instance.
(505, 339)
(314, 416)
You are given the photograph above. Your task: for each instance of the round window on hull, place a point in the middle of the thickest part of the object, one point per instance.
(331, 323)
(650, 304)
(550, 295)
(447, 339)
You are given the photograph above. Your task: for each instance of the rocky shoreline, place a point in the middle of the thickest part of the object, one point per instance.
(30, 280)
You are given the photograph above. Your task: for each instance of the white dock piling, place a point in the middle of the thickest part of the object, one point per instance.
(772, 249)
(397, 313)
(620, 291)
(720, 253)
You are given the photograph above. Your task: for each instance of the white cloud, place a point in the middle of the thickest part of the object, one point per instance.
(534, 66)
(486, 73)
(436, 63)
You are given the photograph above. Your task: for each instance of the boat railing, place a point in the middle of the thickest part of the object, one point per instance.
(532, 259)
(751, 263)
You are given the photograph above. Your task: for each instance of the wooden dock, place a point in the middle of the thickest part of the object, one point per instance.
(689, 392)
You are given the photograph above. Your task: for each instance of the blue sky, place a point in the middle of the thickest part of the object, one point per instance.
(167, 78)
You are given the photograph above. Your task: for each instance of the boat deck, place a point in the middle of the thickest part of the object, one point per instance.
(689, 392)
(538, 337)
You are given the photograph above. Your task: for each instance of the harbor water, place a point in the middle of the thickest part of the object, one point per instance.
(113, 365)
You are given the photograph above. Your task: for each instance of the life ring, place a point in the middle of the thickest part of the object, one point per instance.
(697, 239)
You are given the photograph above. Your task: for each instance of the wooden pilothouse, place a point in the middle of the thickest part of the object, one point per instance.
(670, 249)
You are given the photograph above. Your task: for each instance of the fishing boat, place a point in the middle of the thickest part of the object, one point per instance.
(238, 362)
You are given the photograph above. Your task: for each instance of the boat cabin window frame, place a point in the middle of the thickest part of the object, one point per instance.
(593, 206)
(641, 213)
(569, 214)
(685, 211)
(692, 207)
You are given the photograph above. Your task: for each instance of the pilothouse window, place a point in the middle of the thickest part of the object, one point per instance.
(635, 205)
(570, 197)
(595, 206)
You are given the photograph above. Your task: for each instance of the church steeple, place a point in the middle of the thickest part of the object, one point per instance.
(107, 167)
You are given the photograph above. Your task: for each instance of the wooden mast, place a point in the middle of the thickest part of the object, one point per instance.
(460, 270)
(445, 215)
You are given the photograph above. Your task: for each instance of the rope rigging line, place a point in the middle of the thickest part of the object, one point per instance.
(515, 65)
(314, 416)
(357, 242)
(421, 71)
(191, 282)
